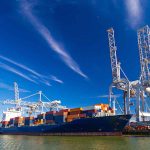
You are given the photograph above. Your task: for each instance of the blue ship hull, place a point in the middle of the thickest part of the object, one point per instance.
(108, 125)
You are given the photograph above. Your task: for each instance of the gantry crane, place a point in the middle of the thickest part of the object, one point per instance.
(140, 87)
(143, 35)
(31, 107)
(118, 82)
(144, 52)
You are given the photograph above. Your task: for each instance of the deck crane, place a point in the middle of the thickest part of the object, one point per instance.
(118, 82)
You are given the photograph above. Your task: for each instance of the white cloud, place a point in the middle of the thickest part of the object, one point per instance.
(35, 75)
(46, 34)
(134, 12)
(20, 65)
(107, 96)
(15, 71)
(11, 88)
(56, 79)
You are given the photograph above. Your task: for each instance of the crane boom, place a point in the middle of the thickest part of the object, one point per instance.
(16, 90)
(144, 52)
(115, 65)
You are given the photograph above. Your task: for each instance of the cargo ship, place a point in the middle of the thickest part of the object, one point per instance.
(91, 120)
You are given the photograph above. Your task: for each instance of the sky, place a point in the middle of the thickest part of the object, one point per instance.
(61, 47)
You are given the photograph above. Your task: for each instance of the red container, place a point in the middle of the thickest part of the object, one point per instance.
(49, 121)
(60, 113)
(75, 112)
(64, 110)
(5, 122)
(17, 118)
(82, 115)
(51, 112)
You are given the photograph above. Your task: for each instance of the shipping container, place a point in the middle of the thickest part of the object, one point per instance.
(49, 116)
(29, 118)
(88, 111)
(50, 121)
(76, 109)
(5, 123)
(75, 112)
(60, 119)
(11, 122)
(51, 112)
(82, 115)
(64, 110)
(92, 107)
(73, 116)
(61, 113)
(29, 121)
(69, 120)
(41, 116)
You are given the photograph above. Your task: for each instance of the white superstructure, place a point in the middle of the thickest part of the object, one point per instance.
(10, 113)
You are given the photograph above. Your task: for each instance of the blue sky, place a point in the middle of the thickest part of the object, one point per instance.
(61, 47)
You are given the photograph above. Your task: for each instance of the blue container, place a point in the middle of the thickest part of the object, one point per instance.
(16, 124)
(28, 122)
(49, 117)
(59, 119)
(90, 114)
(11, 121)
(40, 117)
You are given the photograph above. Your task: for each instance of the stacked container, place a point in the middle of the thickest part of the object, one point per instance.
(49, 117)
(29, 121)
(90, 113)
(72, 117)
(18, 121)
(5, 123)
(75, 111)
(74, 114)
(98, 110)
(11, 122)
(61, 116)
(41, 118)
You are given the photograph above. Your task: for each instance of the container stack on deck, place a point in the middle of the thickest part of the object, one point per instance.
(40, 119)
(74, 114)
(11, 122)
(29, 121)
(59, 117)
(49, 116)
(19, 121)
(5, 123)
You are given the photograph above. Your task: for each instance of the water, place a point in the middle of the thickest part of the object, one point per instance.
(10, 142)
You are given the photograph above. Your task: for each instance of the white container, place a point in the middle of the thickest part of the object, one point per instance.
(92, 107)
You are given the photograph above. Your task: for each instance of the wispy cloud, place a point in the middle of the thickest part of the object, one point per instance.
(11, 88)
(46, 34)
(134, 12)
(33, 74)
(20, 65)
(15, 71)
(107, 96)
(56, 79)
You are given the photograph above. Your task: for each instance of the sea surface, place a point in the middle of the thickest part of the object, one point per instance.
(19, 142)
